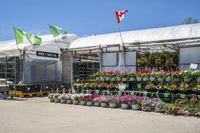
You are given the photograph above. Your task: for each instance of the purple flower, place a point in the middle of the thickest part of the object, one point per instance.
(137, 99)
(127, 99)
(88, 97)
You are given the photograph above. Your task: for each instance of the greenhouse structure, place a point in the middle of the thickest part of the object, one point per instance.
(24, 63)
(71, 57)
(166, 48)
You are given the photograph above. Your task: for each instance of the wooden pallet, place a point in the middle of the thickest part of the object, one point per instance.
(35, 94)
(32, 94)
(22, 94)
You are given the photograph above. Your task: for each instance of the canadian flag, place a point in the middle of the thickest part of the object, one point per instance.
(120, 15)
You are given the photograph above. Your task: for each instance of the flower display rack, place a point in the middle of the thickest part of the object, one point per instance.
(174, 84)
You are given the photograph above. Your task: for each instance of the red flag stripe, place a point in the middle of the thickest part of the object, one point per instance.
(120, 15)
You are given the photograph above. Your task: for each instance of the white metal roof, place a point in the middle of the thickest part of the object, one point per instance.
(48, 44)
(147, 35)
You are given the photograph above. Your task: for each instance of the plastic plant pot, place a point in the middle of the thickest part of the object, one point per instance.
(89, 103)
(75, 102)
(135, 106)
(112, 105)
(69, 101)
(97, 104)
(62, 101)
(104, 105)
(124, 106)
(157, 109)
(51, 99)
(147, 108)
(56, 100)
(83, 103)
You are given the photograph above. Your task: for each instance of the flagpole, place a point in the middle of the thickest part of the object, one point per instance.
(16, 60)
(123, 48)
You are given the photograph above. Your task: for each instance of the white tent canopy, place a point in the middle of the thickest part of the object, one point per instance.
(49, 44)
(139, 36)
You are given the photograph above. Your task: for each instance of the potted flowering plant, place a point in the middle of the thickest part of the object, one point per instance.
(113, 102)
(187, 76)
(68, 99)
(51, 97)
(157, 104)
(82, 100)
(136, 103)
(96, 101)
(125, 101)
(152, 77)
(145, 77)
(89, 99)
(159, 76)
(132, 76)
(76, 98)
(62, 98)
(56, 99)
(103, 100)
(150, 86)
(171, 108)
(138, 77)
(78, 86)
(147, 104)
(168, 76)
(177, 76)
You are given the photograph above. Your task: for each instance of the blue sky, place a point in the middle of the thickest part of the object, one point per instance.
(86, 17)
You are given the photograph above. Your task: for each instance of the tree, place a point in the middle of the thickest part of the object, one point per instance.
(190, 20)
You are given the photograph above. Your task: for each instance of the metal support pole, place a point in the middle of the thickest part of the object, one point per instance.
(123, 50)
(124, 58)
(15, 73)
(6, 71)
(100, 58)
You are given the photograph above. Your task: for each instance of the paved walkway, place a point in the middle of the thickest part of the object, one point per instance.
(38, 115)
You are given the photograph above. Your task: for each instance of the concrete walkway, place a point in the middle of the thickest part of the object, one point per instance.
(38, 115)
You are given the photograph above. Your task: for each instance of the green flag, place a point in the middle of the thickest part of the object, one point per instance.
(56, 31)
(34, 40)
(19, 35)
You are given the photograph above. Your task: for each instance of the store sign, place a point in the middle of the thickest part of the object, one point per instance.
(193, 66)
(46, 54)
